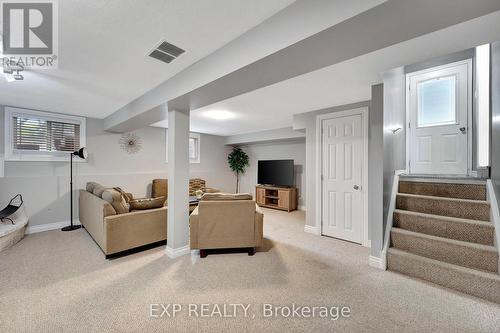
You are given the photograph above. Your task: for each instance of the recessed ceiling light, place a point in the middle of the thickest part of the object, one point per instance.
(219, 114)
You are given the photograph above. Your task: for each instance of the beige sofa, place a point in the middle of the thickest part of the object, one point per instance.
(116, 233)
(223, 221)
(160, 187)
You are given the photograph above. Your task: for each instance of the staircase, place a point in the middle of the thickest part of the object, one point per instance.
(442, 233)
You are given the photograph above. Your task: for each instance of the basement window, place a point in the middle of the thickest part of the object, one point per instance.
(194, 147)
(42, 136)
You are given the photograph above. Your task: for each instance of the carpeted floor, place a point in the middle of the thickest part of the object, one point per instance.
(60, 282)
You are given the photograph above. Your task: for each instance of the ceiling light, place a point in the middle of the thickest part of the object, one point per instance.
(219, 114)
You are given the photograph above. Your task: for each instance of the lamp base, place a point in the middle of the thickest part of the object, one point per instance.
(71, 227)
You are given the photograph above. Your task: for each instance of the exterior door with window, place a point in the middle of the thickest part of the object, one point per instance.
(439, 106)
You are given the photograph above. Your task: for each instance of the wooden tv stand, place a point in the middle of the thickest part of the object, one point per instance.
(283, 198)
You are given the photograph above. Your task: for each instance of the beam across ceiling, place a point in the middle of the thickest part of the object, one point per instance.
(387, 24)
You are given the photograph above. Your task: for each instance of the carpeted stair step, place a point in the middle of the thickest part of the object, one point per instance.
(448, 190)
(461, 208)
(470, 281)
(455, 252)
(466, 230)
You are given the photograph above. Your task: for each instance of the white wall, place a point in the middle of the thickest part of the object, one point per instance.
(45, 185)
(295, 150)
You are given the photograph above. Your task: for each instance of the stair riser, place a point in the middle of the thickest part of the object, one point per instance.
(467, 210)
(462, 231)
(443, 251)
(460, 191)
(462, 281)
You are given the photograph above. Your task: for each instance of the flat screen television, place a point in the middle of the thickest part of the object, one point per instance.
(276, 172)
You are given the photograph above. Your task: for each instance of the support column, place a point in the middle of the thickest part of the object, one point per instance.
(178, 184)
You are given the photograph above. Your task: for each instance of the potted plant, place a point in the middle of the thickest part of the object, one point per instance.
(238, 161)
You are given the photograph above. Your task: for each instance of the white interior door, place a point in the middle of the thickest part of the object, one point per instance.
(439, 106)
(342, 179)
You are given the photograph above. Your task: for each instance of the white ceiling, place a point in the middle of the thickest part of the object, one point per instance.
(347, 82)
(103, 47)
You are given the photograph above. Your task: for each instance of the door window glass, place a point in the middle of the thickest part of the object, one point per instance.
(437, 102)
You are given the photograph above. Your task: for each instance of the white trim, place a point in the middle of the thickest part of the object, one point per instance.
(470, 93)
(377, 262)
(192, 135)
(364, 114)
(474, 173)
(388, 224)
(178, 252)
(35, 156)
(49, 226)
(315, 230)
(444, 180)
(495, 213)
(2, 166)
(400, 172)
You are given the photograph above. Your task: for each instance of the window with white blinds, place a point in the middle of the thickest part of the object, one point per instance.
(41, 136)
(35, 134)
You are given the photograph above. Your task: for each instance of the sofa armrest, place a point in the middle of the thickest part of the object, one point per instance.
(259, 226)
(130, 230)
(92, 212)
(194, 220)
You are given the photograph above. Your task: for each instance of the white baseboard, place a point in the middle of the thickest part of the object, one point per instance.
(377, 262)
(316, 230)
(178, 252)
(49, 226)
(302, 207)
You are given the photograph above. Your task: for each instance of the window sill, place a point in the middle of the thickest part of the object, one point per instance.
(44, 158)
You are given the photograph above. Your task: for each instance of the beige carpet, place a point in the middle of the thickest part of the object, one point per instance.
(60, 282)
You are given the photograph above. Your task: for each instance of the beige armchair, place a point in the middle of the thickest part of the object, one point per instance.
(223, 221)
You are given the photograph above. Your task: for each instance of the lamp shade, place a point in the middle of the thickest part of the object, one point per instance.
(82, 153)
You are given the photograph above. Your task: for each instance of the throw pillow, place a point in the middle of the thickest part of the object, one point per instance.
(99, 190)
(90, 187)
(117, 200)
(147, 203)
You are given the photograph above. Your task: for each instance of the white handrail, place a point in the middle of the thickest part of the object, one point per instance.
(390, 214)
(495, 214)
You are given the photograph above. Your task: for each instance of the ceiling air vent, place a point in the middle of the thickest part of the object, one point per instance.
(166, 52)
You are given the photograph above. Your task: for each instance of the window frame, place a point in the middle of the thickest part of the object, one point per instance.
(12, 154)
(192, 135)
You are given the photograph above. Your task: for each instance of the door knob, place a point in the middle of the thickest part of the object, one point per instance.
(356, 187)
(463, 130)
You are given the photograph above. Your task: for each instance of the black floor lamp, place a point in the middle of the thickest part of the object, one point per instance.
(82, 153)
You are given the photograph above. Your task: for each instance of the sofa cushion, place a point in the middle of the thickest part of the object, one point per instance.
(98, 190)
(127, 196)
(117, 200)
(226, 196)
(147, 203)
(90, 187)
(159, 188)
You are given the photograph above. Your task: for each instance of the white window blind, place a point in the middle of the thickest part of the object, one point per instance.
(34, 134)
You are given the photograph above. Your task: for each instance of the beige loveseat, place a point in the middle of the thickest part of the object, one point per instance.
(115, 232)
(223, 221)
